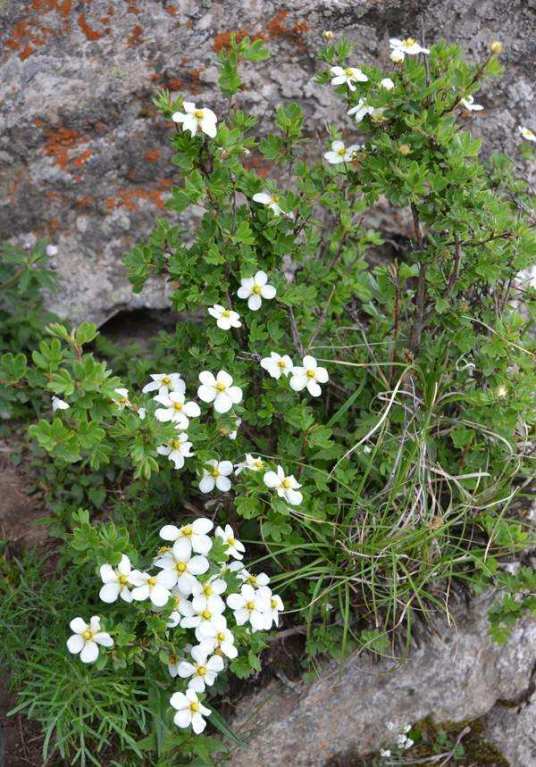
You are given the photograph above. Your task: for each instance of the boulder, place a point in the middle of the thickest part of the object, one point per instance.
(85, 157)
(352, 709)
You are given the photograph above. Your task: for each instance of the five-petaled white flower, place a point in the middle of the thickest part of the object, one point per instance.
(225, 318)
(181, 567)
(255, 289)
(527, 133)
(347, 76)
(277, 365)
(235, 548)
(286, 486)
(271, 201)
(469, 105)
(193, 118)
(206, 610)
(217, 641)
(219, 390)
(164, 383)
(59, 404)
(116, 581)
(196, 533)
(203, 671)
(340, 153)
(189, 711)
(153, 587)
(402, 48)
(176, 409)
(249, 605)
(216, 475)
(309, 375)
(361, 110)
(251, 463)
(177, 450)
(387, 84)
(275, 606)
(87, 638)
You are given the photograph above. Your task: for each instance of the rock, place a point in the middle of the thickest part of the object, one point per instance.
(512, 729)
(458, 675)
(85, 157)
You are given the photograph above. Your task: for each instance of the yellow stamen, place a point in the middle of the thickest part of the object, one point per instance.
(194, 707)
(151, 581)
(221, 386)
(88, 634)
(208, 590)
(180, 567)
(250, 605)
(220, 636)
(206, 615)
(408, 42)
(311, 374)
(286, 483)
(199, 114)
(201, 671)
(123, 580)
(257, 289)
(215, 472)
(178, 406)
(226, 313)
(231, 540)
(187, 531)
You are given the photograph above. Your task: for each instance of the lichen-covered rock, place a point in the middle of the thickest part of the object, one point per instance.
(85, 157)
(457, 675)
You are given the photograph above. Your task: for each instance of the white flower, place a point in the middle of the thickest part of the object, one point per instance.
(164, 383)
(275, 606)
(310, 376)
(270, 200)
(217, 475)
(181, 567)
(206, 611)
(217, 641)
(277, 365)
(52, 250)
(361, 110)
(387, 83)
(527, 133)
(347, 76)
(255, 289)
(219, 390)
(340, 153)
(385, 753)
(402, 48)
(182, 608)
(261, 579)
(203, 671)
(116, 581)
(251, 463)
(193, 118)
(225, 318)
(122, 398)
(249, 605)
(87, 638)
(469, 104)
(286, 487)
(177, 449)
(59, 404)
(176, 409)
(195, 533)
(174, 661)
(153, 587)
(235, 548)
(189, 711)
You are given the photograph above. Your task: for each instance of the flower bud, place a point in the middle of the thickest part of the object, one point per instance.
(328, 35)
(404, 149)
(496, 47)
(501, 391)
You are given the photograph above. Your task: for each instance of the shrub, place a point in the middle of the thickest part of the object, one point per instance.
(364, 408)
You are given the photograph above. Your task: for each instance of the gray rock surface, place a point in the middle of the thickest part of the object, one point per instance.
(83, 155)
(458, 675)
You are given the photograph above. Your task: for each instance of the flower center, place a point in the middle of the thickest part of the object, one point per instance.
(151, 581)
(177, 406)
(226, 313)
(342, 151)
(311, 374)
(201, 670)
(215, 472)
(199, 114)
(258, 463)
(164, 549)
(221, 387)
(208, 590)
(252, 580)
(281, 363)
(250, 605)
(194, 707)
(206, 615)
(123, 580)
(257, 289)
(180, 567)
(187, 531)
(231, 540)
(409, 42)
(166, 380)
(220, 636)
(286, 483)
(175, 444)
(88, 634)
(349, 72)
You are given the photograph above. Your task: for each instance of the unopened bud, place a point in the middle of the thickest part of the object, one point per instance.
(404, 149)
(496, 47)
(501, 391)
(328, 35)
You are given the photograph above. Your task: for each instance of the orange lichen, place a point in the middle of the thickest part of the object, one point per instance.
(152, 155)
(223, 39)
(84, 202)
(59, 143)
(276, 27)
(26, 53)
(136, 36)
(91, 34)
(171, 10)
(82, 158)
(259, 164)
(131, 197)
